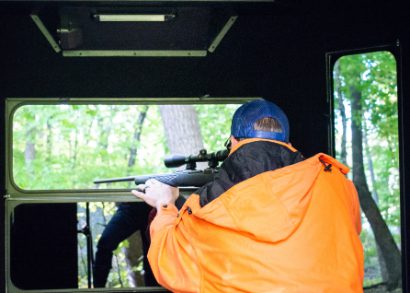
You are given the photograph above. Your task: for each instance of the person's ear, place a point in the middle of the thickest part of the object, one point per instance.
(234, 141)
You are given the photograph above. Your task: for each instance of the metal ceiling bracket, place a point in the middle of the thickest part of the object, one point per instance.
(40, 25)
(215, 43)
(134, 53)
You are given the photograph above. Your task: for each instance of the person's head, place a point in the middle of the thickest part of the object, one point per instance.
(259, 119)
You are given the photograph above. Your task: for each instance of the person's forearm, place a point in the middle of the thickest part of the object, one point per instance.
(171, 256)
(164, 217)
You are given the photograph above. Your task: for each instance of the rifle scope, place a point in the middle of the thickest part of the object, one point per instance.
(173, 161)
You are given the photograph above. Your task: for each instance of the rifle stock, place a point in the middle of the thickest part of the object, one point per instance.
(185, 178)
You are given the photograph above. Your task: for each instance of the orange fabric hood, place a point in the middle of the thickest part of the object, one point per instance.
(270, 205)
(294, 229)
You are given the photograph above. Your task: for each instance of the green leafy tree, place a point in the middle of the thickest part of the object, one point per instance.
(68, 146)
(367, 82)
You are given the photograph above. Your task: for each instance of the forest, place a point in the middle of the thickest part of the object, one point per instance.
(366, 134)
(62, 146)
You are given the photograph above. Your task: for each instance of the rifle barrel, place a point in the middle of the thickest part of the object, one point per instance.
(112, 180)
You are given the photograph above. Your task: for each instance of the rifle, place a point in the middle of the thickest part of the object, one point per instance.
(190, 177)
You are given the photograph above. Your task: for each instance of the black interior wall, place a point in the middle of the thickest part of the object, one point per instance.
(404, 130)
(260, 56)
(44, 246)
(273, 51)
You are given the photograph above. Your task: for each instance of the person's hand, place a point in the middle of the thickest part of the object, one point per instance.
(156, 193)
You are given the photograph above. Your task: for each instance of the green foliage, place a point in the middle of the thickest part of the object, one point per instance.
(374, 76)
(69, 146)
(215, 124)
(74, 144)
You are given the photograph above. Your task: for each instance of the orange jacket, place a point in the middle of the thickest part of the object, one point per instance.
(294, 229)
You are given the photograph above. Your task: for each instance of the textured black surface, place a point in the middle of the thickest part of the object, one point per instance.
(275, 50)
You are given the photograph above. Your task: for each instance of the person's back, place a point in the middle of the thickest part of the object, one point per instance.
(294, 229)
(263, 227)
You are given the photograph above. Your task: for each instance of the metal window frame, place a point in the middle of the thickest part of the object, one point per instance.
(16, 196)
(12, 104)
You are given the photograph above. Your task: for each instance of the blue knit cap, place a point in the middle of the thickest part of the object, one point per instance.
(246, 115)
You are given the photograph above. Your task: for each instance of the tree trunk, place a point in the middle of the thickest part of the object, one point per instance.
(383, 269)
(49, 138)
(370, 164)
(182, 130)
(30, 151)
(342, 110)
(75, 150)
(133, 254)
(384, 238)
(105, 126)
(134, 251)
(136, 138)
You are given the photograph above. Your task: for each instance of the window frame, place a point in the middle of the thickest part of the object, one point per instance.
(13, 104)
(16, 196)
(395, 49)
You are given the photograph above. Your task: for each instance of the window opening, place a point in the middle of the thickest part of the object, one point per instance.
(60, 147)
(68, 146)
(366, 139)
